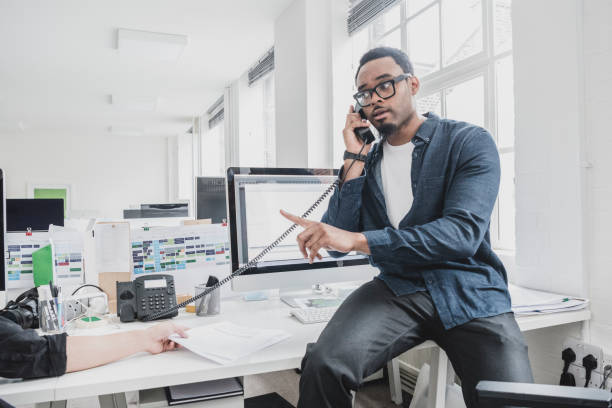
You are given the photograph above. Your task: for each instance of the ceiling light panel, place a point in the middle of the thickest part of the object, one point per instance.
(150, 45)
(125, 131)
(135, 103)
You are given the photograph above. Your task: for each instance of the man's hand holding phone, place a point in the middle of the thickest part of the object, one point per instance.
(353, 143)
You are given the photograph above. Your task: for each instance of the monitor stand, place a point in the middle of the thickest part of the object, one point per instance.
(292, 295)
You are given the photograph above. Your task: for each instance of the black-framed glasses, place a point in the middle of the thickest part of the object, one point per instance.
(385, 90)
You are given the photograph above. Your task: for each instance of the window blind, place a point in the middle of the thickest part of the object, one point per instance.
(215, 113)
(262, 67)
(361, 12)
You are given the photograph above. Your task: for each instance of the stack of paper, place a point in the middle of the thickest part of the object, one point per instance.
(529, 301)
(225, 342)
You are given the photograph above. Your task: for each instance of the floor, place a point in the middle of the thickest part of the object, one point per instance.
(374, 394)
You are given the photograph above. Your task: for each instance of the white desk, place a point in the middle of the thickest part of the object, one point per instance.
(146, 371)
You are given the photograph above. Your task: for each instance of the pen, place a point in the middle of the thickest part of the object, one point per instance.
(60, 317)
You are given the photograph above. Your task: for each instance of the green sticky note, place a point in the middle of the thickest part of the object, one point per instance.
(42, 262)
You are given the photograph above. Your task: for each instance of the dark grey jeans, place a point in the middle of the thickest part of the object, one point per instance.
(373, 326)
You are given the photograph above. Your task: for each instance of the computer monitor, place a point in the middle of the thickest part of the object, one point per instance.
(168, 210)
(34, 213)
(210, 199)
(2, 241)
(255, 196)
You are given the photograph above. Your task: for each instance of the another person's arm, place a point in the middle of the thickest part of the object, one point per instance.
(26, 354)
(84, 352)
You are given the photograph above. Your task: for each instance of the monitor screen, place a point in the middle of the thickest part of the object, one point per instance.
(2, 232)
(255, 197)
(35, 213)
(210, 199)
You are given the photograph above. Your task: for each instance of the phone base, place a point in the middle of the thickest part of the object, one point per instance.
(293, 296)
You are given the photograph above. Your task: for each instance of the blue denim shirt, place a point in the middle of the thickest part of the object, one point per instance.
(442, 244)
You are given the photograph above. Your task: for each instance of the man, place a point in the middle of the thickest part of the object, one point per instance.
(25, 354)
(419, 205)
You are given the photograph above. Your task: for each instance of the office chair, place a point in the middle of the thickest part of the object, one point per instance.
(498, 394)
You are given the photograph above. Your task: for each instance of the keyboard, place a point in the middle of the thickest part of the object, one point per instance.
(314, 314)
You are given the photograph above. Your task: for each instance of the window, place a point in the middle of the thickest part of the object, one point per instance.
(213, 151)
(257, 137)
(462, 53)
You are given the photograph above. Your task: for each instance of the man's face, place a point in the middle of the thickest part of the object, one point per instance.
(387, 115)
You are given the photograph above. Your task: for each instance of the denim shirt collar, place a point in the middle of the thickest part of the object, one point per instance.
(424, 134)
(423, 137)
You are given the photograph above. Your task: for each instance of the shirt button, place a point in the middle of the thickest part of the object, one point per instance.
(415, 155)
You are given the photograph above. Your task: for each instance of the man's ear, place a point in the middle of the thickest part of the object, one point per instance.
(415, 85)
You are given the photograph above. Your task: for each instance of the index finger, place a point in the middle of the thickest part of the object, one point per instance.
(180, 330)
(295, 219)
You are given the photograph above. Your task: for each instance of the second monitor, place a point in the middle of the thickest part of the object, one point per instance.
(255, 196)
(210, 199)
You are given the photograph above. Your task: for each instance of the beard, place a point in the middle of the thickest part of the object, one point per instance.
(387, 130)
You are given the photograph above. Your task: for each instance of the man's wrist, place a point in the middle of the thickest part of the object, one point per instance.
(354, 156)
(361, 243)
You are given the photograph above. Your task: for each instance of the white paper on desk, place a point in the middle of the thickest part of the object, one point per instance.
(568, 306)
(529, 301)
(225, 342)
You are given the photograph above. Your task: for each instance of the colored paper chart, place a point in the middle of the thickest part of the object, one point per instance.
(19, 260)
(167, 249)
(67, 254)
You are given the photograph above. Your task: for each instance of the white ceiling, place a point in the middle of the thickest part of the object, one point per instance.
(59, 63)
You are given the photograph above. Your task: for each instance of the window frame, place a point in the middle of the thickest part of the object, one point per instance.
(482, 64)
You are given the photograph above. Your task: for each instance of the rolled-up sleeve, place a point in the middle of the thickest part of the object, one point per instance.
(25, 354)
(345, 204)
(344, 207)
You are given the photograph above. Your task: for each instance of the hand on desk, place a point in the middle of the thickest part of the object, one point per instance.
(84, 352)
(156, 337)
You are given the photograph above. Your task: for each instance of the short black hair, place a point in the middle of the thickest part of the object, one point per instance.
(398, 56)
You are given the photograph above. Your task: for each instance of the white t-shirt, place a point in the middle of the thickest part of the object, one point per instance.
(396, 169)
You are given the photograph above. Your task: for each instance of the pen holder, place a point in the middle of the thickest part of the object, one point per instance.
(51, 317)
(210, 304)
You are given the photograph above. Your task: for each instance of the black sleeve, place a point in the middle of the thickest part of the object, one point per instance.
(25, 354)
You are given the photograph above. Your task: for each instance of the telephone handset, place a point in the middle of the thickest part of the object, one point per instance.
(144, 296)
(367, 138)
(364, 133)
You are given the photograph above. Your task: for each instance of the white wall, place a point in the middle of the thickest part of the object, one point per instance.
(548, 112)
(303, 84)
(597, 80)
(290, 87)
(563, 91)
(106, 174)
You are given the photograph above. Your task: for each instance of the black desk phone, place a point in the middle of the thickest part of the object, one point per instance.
(144, 296)
(364, 133)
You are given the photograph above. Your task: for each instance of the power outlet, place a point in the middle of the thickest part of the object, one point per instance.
(583, 349)
(580, 377)
(607, 360)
